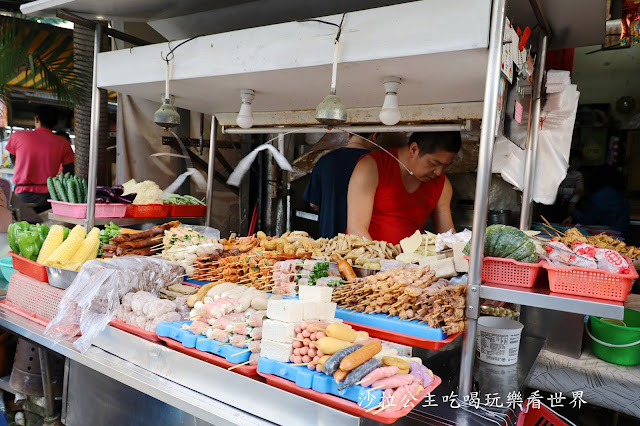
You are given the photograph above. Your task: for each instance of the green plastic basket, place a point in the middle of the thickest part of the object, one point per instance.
(617, 344)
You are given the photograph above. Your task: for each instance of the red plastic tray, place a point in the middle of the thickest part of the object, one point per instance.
(147, 210)
(245, 370)
(187, 210)
(345, 405)
(136, 331)
(590, 282)
(29, 267)
(509, 271)
(403, 339)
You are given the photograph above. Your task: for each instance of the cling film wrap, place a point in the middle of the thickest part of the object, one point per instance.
(93, 299)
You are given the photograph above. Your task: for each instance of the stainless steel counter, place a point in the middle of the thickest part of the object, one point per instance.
(220, 397)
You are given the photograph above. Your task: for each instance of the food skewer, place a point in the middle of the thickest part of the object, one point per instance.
(243, 352)
(373, 408)
(238, 365)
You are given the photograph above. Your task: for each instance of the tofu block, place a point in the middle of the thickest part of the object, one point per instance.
(444, 268)
(461, 264)
(286, 310)
(276, 351)
(278, 331)
(428, 260)
(319, 311)
(308, 293)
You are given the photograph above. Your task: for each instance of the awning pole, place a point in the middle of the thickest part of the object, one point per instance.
(210, 170)
(94, 134)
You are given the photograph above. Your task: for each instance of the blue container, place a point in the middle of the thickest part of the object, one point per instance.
(6, 267)
(411, 328)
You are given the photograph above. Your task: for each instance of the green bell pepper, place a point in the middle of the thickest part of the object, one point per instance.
(65, 232)
(29, 244)
(14, 232)
(42, 230)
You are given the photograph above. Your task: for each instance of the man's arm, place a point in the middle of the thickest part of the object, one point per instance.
(441, 215)
(362, 191)
(68, 168)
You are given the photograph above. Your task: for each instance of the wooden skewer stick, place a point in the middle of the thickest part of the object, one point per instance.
(373, 408)
(376, 388)
(238, 365)
(362, 381)
(384, 408)
(316, 328)
(242, 352)
(300, 340)
(303, 363)
(190, 318)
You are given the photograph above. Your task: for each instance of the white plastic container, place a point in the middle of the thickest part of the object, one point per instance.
(498, 340)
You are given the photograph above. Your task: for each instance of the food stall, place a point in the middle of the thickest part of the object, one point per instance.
(196, 385)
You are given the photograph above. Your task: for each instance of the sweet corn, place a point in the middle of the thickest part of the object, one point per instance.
(88, 250)
(53, 241)
(68, 248)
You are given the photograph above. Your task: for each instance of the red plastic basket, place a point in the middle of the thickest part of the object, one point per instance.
(29, 267)
(136, 331)
(147, 210)
(346, 405)
(538, 416)
(191, 210)
(32, 299)
(590, 282)
(509, 271)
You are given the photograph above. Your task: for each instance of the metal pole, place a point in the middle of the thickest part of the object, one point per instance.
(532, 151)
(352, 129)
(483, 182)
(47, 384)
(95, 134)
(280, 210)
(210, 171)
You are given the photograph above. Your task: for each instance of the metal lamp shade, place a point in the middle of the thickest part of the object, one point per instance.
(166, 116)
(331, 111)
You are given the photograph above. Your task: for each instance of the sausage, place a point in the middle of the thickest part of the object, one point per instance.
(216, 290)
(358, 373)
(330, 346)
(341, 331)
(140, 243)
(344, 268)
(361, 356)
(394, 381)
(398, 362)
(378, 374)
(339, 375)
(146, 251)
(156, 230)
(333, 363)
(398, 400)
(322, 362)
(108, 247)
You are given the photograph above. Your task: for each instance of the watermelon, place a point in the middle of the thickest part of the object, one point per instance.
(507, 242)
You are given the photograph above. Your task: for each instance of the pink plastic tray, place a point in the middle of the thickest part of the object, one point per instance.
(32, 299)
(79, 210)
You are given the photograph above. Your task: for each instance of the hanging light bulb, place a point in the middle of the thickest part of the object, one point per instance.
(167, 116)
(245, 116)
(331, 110)
(390, 113)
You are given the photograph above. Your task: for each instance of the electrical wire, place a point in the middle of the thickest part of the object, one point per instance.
(170, 55)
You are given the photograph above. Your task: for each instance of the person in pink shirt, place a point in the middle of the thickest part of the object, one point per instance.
(37, 155)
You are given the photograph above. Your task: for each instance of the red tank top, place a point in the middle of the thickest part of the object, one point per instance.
(396, 213)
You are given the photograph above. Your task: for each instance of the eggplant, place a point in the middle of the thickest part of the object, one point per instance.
(130, 197)
(118, 189)
(121, 199)
(105, 191)
(103, 200)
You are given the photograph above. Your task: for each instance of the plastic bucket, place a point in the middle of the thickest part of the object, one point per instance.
(617, 344)
(498, 340)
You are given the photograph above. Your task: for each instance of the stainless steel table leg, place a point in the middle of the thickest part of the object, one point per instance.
(47, 384)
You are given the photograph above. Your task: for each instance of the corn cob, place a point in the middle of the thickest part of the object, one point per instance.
(88, 250)
(53, 241)
(68, 248)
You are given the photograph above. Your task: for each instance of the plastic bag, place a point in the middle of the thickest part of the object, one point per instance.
(611, 261)
(446, 240)
(93, 299)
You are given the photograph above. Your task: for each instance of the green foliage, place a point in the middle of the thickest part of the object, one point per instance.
(57, 75)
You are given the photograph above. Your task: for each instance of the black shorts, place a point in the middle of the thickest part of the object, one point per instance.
(38, 199)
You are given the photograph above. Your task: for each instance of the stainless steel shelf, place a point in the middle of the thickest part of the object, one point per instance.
(124, 221)
(203, 390)
(541, 297)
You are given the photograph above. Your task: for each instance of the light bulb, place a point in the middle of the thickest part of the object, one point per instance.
(390, 113)
(245, 116)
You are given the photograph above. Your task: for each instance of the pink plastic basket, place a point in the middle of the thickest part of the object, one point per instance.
(79, 210)
(509, 271)
(32, 299)
(590, 282)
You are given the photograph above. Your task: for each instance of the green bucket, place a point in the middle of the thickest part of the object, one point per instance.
(617, 344)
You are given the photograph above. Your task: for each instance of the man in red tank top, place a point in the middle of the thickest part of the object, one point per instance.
(392, 194)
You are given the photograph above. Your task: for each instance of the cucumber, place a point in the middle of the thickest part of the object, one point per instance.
(77, 187)
(52, 189)
(62, 194)
(333, 363)
(85, 189)
(360, 372)
(71, 192)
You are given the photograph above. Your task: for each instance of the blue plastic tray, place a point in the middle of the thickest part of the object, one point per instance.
(199, 283)
(393, 324)
(6, 266)
(174, 331)
(319, 382)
